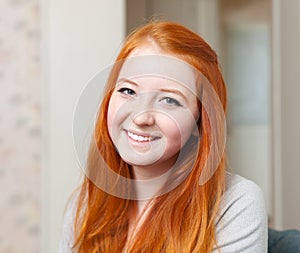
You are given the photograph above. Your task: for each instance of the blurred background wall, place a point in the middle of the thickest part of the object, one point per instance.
(49, 49)
(80, 38)
(20, 126)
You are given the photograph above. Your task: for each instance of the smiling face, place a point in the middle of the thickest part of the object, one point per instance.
(151, 117)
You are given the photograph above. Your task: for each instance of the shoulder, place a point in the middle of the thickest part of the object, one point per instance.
(242, 192)
(242, 222)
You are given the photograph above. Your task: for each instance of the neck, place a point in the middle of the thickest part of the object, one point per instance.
(148, 188)
(149, 179)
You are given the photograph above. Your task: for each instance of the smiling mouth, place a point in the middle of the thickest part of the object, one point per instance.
(141, 138)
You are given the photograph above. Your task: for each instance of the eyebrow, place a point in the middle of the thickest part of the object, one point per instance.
(127, 81)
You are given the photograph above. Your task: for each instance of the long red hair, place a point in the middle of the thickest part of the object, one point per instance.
(181, 220)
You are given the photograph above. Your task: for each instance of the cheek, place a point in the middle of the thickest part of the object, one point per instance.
(187, 129)
(117, 114)
(111, 113)
(178, 130)
(110, 116)
(171, 130)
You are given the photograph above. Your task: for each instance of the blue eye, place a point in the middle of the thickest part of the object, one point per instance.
(171, 101)
(126, 91)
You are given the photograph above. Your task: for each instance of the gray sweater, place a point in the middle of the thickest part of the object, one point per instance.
(242, 222)
(241, 226)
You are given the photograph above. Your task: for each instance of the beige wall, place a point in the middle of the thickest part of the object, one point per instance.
(79, 39)
(20, 126)
(287, 104)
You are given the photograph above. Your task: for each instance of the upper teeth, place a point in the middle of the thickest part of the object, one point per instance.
(138, 137)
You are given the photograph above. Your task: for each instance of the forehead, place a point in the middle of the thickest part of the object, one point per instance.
(148, 63)
(148, 48)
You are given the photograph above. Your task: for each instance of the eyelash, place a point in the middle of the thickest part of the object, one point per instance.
(126, 91)
(172, 102)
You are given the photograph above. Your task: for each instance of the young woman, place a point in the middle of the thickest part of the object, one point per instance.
(155, 179)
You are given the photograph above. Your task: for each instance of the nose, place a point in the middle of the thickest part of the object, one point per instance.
(145, 118)
(142, 113)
